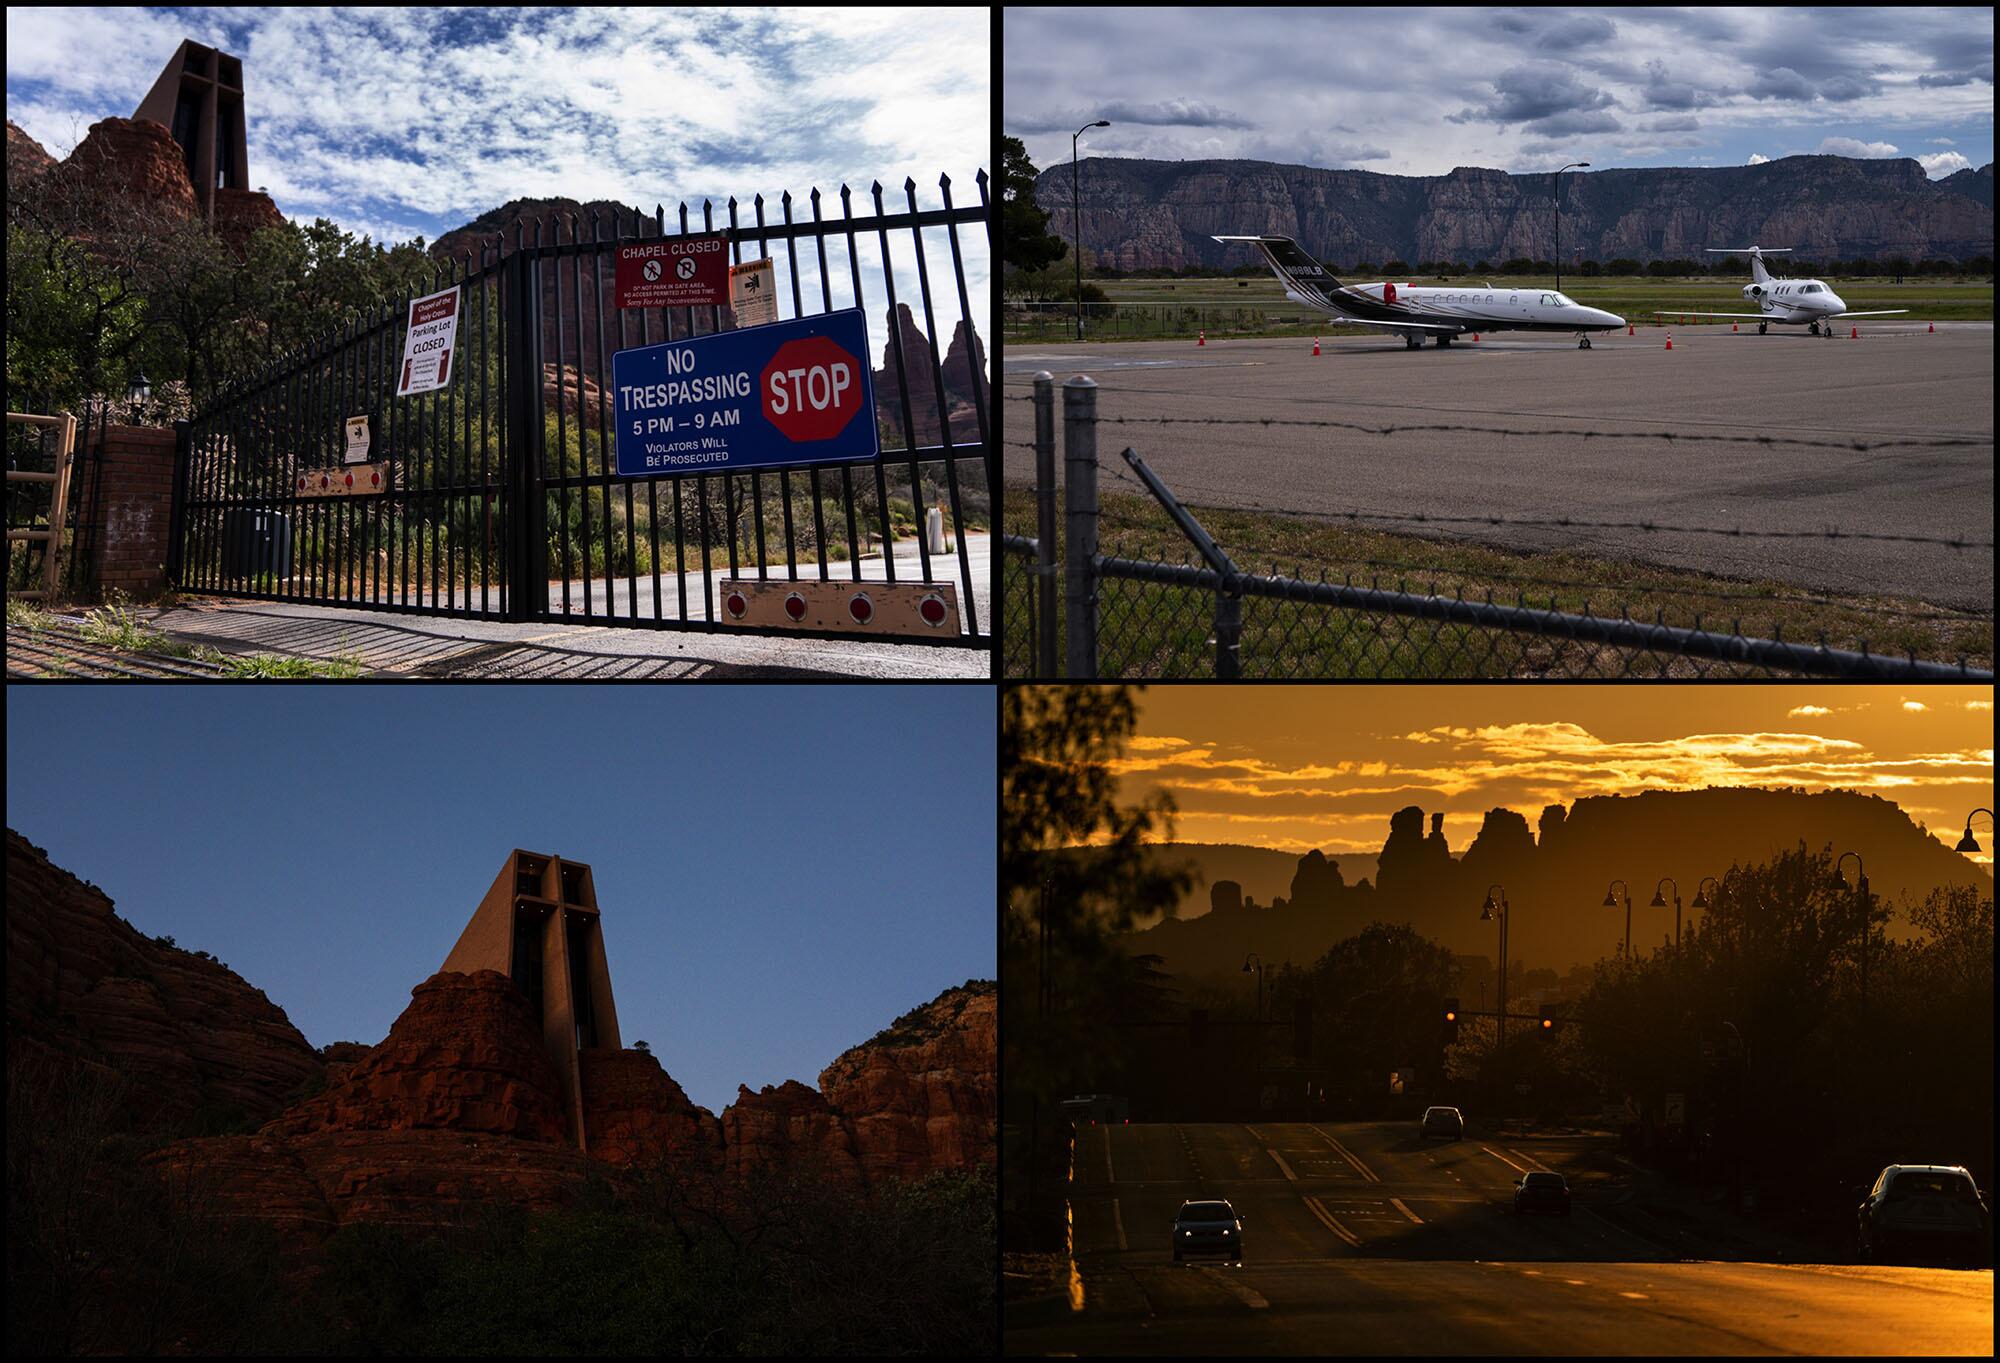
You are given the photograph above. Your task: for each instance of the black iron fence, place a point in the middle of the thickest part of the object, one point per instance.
(30, 448)
(500, 496)
(1127, 614)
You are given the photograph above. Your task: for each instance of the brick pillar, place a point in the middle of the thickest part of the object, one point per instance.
(134, 509)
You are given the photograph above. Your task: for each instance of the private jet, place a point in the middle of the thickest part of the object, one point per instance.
(1415, 313)
(1785, 300)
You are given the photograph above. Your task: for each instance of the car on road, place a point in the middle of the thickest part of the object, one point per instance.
(1541, 1192)
(1924, 1211)
(1208, 1228)
(1447, 1122)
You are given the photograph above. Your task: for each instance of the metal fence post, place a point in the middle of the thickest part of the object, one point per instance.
(1228, 628)
(1080, 516)
(527, 541)
(1046, 567)
(177, 513)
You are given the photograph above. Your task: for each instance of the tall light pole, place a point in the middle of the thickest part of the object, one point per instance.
(1253, 956)
(1660, 902)
(1574, 165)
(1701, 898)
(1861, 895)
(1497, 900)
(1076, 219)
(1611, 902)
(1968, 843)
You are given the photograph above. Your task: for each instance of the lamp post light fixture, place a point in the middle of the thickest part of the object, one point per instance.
(1968, 843)
(1076, 219)
(1574, 165)
(1860, 889)
(1660, 902)
(1496, 907)
(136, 393)
(1611, 902)
(1253, 956)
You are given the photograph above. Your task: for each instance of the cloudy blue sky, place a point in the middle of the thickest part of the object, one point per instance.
(411, 121)
(1420, 91)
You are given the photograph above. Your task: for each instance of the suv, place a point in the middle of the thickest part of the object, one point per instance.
(1448, 1122)
(1925, 1210)
(1541, 1191)
(1208, 1228)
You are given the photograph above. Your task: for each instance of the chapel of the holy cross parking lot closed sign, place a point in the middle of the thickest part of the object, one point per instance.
(797, 392)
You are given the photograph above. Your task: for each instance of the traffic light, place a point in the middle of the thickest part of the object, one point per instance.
(1450, 1022)
(1302, 1028)
(1197, 1028)
(1548, 1017)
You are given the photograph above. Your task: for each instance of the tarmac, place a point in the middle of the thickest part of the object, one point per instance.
(1786, 437)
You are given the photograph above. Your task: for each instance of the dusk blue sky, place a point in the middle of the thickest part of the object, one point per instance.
(1418, 90)
(410, 121)
(781, 871)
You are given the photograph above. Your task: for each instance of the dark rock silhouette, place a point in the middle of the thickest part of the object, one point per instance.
(1317, 884)
(1225, 896)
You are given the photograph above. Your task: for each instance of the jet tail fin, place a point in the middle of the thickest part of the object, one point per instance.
(1296, 270)
(1756, 253)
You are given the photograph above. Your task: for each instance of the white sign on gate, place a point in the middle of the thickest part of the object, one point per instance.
(357, 440)
(427, 349)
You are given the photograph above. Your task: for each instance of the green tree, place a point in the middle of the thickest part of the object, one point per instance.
(1025, 242)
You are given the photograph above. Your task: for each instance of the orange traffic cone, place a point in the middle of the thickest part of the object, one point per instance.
(1854, 333)
(1734, 327)
(1475, 335)
(1628, 328)
(1670, 340)
(1201, 338)
(1933, 328)
(1315, 345)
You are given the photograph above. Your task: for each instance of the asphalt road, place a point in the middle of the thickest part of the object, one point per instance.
(1359, 1238)
(1898, 382)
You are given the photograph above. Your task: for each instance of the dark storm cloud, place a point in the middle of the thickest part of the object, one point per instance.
(1982, 72)
(1662, 92)
(1848, 87)
(1554, 31)
(1673, 125)
(1780, 83)
(1536, 91)
(1185, 113)
(1579, 122)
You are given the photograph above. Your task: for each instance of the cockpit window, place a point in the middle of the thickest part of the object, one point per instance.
(1549, 300)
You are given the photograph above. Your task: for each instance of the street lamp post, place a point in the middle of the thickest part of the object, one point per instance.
(1497, 900)
(1701, 896)
(1861, 896)
(1076, 219)
(1253, 956)
(1968, 843)
(1574, 165)
(1660, 902)
(1611, 902)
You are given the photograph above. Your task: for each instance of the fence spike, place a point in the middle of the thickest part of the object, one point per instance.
(910, 185)
(944, 183)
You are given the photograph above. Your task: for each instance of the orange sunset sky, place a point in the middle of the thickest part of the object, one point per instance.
(1296, 767)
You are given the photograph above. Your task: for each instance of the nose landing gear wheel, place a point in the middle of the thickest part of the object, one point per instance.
(1813, 328)
(1583, 343)
(1762, 327)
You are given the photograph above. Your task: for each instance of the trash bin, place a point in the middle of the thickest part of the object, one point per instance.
(256, 542)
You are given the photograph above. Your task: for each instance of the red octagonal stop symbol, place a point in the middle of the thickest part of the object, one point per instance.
(811, 389)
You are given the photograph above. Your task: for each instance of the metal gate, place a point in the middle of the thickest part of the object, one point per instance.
(499, 496)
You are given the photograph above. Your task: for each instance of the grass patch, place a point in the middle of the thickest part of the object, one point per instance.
(1161, 630)
(261, 666)
(115, 627)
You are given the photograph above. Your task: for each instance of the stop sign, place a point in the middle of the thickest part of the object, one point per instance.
(811, 388)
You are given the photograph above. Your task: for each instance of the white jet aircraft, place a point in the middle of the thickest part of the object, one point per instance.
(1785, 300)
(1415, 312)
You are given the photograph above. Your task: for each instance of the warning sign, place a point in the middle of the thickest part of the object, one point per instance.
(357, 439)
(427, 348)
(793, 392)
(753, 294)
(673, 272)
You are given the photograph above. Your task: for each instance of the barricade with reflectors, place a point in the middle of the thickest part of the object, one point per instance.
(354, 480)
(900, 608)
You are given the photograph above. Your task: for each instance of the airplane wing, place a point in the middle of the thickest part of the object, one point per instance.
(1885, 312)
(1344, 319)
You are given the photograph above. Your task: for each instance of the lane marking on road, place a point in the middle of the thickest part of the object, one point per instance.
(1119, 1221)
(1502, 1158)
(1576, 1282)
(1636, 1296)
(1348, 1155)
(1397, 1203)
(1326, 1219)
(1530, 1159)
(1235, 1289)
(1282, 1165)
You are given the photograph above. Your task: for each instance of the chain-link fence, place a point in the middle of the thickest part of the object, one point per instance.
(1133, 615)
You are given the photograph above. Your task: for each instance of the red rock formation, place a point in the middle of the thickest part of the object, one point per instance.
(922, 1095)
(26, 157)
(241, 212)
(560, 393)
(340, 1057)
(965, 376)
(140, 160)
(466, 1055)
(787, 1128)
(185, 1031)
(634, 1113)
